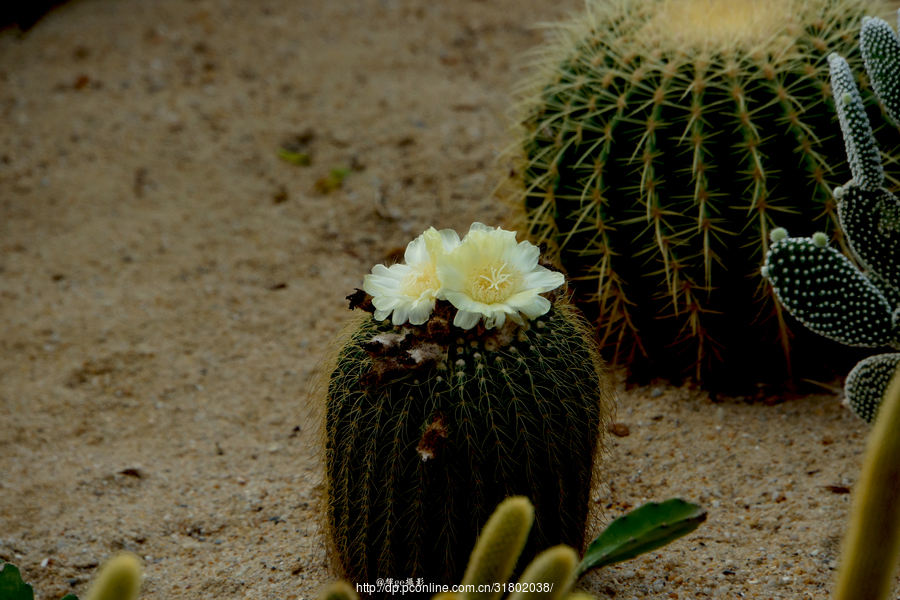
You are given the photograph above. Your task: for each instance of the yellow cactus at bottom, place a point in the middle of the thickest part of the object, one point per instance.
(872, 544)
(119, 579)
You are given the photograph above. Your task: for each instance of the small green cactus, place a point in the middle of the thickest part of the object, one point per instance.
(482, 384)
(871, 546)
(661, 141)
(822, 288)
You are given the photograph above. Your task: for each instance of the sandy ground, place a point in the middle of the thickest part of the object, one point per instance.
(169, 285)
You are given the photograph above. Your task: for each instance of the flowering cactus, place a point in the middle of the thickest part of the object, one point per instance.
(819, 286)
(466, 379)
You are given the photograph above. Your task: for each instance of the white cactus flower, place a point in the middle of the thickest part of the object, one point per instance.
(410, 290)
(490, 275)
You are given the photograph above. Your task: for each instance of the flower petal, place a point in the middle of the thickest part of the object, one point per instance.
(416, 251)
(420, 311)
(523, 256)
(465, 319)
(544, 279)
(529, 304)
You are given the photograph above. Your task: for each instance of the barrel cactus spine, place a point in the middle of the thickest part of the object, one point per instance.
(466, 378)
(661, 141)
(820, 286)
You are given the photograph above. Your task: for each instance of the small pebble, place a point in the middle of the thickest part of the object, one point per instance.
(656, 392)
(619, 429)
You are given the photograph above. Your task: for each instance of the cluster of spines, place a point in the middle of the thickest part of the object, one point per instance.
(820, 286)
(602, 139)
(516, 411)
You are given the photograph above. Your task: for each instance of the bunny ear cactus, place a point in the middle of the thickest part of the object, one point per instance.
(465, 379)
(661, 141)
(817, 284)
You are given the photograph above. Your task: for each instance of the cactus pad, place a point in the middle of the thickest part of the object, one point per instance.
(867, 382)
(825, 292)
(880, 48)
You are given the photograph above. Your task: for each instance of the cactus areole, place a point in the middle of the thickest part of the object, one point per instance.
(661, 140)
(497, 390)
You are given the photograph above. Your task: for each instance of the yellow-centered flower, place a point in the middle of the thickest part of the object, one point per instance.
(490, 275)
(409, 290)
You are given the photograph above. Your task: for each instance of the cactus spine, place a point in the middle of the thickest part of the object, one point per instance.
(429, 426)
(821, 287)
(661, 139)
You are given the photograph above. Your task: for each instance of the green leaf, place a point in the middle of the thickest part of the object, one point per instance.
(301, 159)
(11, 585)
(644, 529)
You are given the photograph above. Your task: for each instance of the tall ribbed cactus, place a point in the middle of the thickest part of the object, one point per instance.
(493, 387)
(816, 283)
(662, 139)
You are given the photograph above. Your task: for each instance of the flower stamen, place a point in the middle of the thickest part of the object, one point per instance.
(497, 277)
